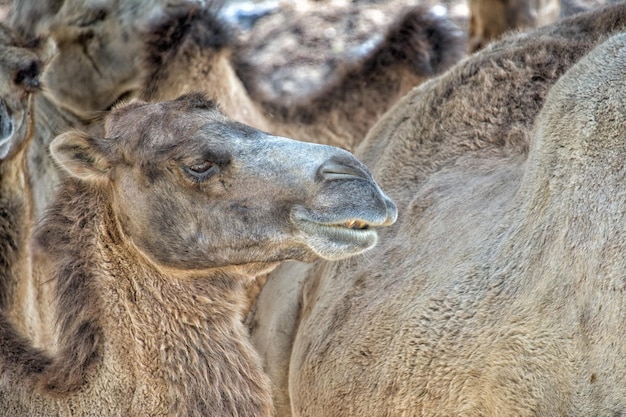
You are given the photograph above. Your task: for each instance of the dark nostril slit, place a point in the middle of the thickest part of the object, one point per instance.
(339, 168)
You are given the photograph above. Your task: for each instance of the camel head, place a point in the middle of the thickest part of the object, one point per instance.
(19, 77)
(99, 52)
(194, 190)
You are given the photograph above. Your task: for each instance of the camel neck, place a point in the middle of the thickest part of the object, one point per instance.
(191, 345)
(180, 337)
(190, 340)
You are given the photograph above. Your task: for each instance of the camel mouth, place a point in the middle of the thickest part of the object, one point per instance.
(346, 230)
(358, 223)
(358, 231)
(338, 239)
(352, 224)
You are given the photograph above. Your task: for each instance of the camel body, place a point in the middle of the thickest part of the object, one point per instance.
(498, 290)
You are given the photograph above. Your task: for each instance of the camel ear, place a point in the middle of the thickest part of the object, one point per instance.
(80, 156)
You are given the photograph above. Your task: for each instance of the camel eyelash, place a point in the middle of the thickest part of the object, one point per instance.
(202, 171)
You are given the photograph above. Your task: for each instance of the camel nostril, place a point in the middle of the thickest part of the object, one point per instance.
(340, 168)
(28, 76)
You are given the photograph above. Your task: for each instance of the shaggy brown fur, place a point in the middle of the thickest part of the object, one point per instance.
(196, 56)
(151, 237)
(498, 291)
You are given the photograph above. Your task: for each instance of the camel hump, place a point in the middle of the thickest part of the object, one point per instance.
(575, 167)
(584, 114)
(427, 41)
(179, 25)
(590, 97)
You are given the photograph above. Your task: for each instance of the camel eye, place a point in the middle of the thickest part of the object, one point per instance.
(202, 171)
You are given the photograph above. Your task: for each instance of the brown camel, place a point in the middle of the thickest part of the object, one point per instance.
(152, 234)
(499, 290)
(195, 54)
(20, 66)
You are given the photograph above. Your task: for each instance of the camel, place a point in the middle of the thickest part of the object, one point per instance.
(20, 67)
(499, 290)
(490, 19)
(153, 231)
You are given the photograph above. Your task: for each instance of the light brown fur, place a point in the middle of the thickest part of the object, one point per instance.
(499, 289)
(150, 239)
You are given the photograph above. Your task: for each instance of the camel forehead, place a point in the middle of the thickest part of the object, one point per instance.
(167, 128)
